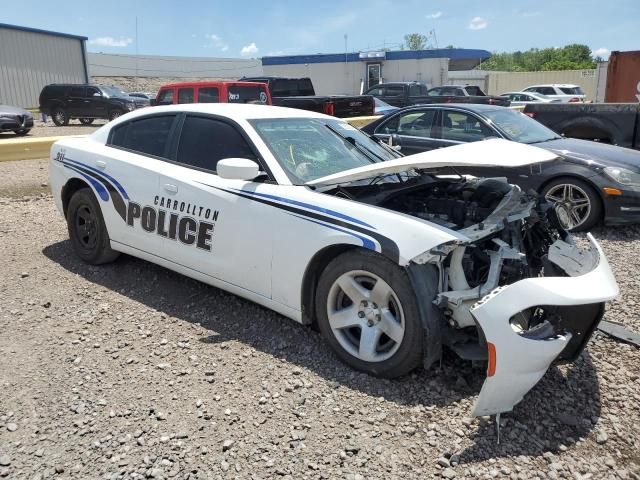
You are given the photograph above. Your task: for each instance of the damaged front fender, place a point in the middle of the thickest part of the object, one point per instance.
(518, 359)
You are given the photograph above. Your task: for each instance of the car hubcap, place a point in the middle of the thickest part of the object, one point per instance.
(365, 316)
(86, 227)
(571, 203)
(59, 116)
(115, 115)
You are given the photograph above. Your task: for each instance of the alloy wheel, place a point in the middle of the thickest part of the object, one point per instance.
(365, 316)
(571, 203)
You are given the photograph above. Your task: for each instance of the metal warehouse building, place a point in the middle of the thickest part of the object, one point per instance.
(348, 73)
(32, 58)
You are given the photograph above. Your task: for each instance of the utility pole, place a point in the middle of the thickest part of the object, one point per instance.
(136, 80)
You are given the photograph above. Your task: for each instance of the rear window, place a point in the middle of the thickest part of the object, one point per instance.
(393, 91)
(294, 87)
(147, 136)
(572, 90)
(245, 94)
(208, 95)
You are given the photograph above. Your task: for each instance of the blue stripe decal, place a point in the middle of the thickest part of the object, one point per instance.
(102, 191)
(106, 175)
(307, 205)
(366, 242)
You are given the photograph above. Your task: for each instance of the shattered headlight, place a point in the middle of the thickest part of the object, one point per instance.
(623, 176)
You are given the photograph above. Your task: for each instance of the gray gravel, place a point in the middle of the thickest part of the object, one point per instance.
(130, 371)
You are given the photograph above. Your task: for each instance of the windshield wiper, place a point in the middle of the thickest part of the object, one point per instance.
(371, 155)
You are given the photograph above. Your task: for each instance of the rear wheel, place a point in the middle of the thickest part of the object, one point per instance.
(60, 117)
(368, 312)
(114, 114)
(577, 203)
(87, 230)
(86, 121)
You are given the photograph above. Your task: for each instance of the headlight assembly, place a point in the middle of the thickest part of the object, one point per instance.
(623, 176)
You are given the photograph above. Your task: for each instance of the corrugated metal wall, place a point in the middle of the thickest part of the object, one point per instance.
(30, 60)
(118, 65)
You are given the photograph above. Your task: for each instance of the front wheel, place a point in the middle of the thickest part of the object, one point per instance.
(60, 117)
(86, 121)
(87, 230)
(22, 131)
(576, 203)
(368, 312)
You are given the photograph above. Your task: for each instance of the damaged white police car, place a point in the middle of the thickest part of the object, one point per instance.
(306, 215)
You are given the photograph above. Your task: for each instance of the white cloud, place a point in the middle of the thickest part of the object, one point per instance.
(250, 49)
(216, 41)
(602, 52)
(434, 15)
(111, 42)
(477, 23)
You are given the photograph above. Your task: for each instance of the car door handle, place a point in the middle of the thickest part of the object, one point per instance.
(101, 164)
(170, 188)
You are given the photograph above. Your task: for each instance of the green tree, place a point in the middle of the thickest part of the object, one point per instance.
(415, 41)
(569, 57)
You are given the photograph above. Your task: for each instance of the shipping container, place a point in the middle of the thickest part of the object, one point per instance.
(623, 77)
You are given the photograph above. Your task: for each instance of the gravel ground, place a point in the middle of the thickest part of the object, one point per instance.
(131, 371)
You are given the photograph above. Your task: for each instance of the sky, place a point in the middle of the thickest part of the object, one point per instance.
(253, 28)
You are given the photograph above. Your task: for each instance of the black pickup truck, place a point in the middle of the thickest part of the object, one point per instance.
(403, 94)
(299, 93)
(613, 123)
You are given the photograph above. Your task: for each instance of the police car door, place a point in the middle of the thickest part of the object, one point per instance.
(205, 225)
(128, 170)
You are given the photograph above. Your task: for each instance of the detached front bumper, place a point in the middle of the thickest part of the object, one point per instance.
(518, 359)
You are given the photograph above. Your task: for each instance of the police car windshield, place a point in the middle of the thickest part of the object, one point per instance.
(310, 148)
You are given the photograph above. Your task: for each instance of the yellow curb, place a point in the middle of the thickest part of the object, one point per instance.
(27, 148)
(360, 122)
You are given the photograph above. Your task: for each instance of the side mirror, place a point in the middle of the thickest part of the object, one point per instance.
(394, 142)
(237, 169)
(153, 102)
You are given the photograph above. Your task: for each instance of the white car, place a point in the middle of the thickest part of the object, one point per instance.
(519, 99)
(306, 215)
(566, 93)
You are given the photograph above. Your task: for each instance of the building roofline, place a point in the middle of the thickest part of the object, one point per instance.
(46, 32)
(451, 53)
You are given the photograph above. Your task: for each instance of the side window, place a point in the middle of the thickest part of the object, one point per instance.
(376, 92)
(208, 95)
(415, 124)
(204, 141)
(185, 95)
(165, 97)
(394, 91)
(147, 136)
(414, 91)
(434, 92)
(77, 92)
(547, 91)
(91, 91)
(462, 127)
(530, 89)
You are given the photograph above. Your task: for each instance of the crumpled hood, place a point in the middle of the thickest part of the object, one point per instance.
(8, 109)
(488, 153)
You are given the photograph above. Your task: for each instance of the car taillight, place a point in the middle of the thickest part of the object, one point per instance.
(574, 100)
(530, 114)
(329, 108)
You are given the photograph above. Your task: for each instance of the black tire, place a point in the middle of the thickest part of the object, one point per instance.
(87, 230)
(589, 217)
(405, 355)
(59, 116)
(22, 131)
(86, 121)
(113, 114)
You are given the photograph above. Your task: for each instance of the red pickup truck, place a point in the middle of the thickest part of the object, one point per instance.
(212, 92)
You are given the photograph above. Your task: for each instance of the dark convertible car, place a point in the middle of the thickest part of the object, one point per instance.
(590, 183)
